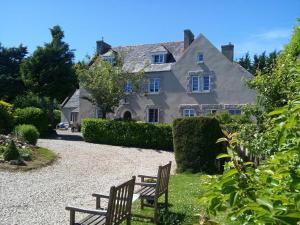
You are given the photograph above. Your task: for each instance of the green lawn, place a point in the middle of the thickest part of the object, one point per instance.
(184, 192)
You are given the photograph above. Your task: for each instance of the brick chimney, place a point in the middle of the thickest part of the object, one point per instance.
(102, 47)
(227, 50)
(188, 38)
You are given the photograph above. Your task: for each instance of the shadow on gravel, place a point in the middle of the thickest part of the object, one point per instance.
(66, 136)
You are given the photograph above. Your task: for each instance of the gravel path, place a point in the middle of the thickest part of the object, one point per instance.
(39, 197)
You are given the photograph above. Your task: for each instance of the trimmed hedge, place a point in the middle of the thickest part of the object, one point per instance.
(34, 116)
(6, 118)
(27, 133)
(142, 135)
(195, 144)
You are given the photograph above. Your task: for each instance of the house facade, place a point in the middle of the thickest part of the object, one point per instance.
(185, 78)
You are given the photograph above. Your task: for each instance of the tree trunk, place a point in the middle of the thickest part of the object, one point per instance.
(103, 114)
(50, 113)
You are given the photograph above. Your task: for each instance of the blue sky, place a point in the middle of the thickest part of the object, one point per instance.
(252, 26)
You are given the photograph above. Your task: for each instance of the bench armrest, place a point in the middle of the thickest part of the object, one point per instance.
(98, 199)
(99, 195)
(146, 176)
(89, 211)
(146, 184)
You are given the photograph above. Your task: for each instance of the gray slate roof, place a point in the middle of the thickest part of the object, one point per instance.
(137, 57)
(73, 102)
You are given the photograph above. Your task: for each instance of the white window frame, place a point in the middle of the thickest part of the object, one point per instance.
(198, 56)
(234, 111)
(74, 117)
(109, 59)
(188, 112)
(161, 58)
(128, 89)
(200, 85)
(148, 115)
(156, 85)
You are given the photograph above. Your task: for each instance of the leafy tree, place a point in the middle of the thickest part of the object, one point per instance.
(279, 83)
(259, 63)
(11, 84)
(105, 83)
(49, 71)
(246, 62)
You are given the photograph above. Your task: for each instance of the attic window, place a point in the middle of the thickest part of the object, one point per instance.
(159, 58)
(109, 59)
(200, 58)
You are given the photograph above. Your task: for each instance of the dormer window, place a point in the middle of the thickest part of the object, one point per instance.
(200, 58)
(109, 59)
(159, 58)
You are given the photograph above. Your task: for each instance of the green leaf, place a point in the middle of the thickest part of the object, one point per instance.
(223, 155)
(222, 140)
(264, 203)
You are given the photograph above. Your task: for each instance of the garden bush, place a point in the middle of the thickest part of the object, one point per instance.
(56, 116)
(33, 116)
(123, 133)
(11, 152)
(6, 118)
(195, 144)
(27, 133)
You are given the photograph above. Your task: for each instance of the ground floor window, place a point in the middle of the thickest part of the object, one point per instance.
(189, 112)
(153, 115)
(74, 116)
(235, 111)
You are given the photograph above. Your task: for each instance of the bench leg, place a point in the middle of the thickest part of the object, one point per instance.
(142, 203)
(166, 199)
(128, 221)
(155, 211)
(72, 217)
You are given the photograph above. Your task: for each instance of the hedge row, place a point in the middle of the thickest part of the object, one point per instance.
(195, 144)
(33, 116)
(6, 118)
(142, 135)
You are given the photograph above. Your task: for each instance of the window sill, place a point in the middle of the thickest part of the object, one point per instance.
(199, 92)
(200, 62)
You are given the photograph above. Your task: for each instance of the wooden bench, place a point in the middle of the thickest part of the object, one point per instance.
(151, 191)
(118, 208)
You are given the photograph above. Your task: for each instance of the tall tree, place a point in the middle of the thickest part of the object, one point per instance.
(106, 83)
(49, 71)
(11, 84)
(275, 87)
(245, 62)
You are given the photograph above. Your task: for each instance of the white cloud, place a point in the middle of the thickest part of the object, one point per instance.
(274, 34)
(266, 41)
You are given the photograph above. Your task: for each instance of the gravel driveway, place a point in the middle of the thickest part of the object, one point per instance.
(39, 197)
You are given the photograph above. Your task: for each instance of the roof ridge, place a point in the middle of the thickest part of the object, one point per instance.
(160, 43)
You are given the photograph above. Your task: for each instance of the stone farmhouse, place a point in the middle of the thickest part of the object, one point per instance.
(184, 78)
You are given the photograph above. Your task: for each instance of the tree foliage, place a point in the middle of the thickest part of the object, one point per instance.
(11, 84)
(260, 62)
(49, 71)
(106, 82)
(279, 84)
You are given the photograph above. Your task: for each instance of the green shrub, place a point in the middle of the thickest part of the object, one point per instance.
(195, 144)
(27, 133)
(33, 116)
(11, 152)
(6, 118)
(142, 135)
(57, 116)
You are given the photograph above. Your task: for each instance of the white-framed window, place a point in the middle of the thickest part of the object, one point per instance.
(154, 85)
(159, 58)
(200, 83)
(128, 87)
(153, 115)
(189, 112)
(235, 111)
(200, 58)
(74, 116)
(109, 59)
